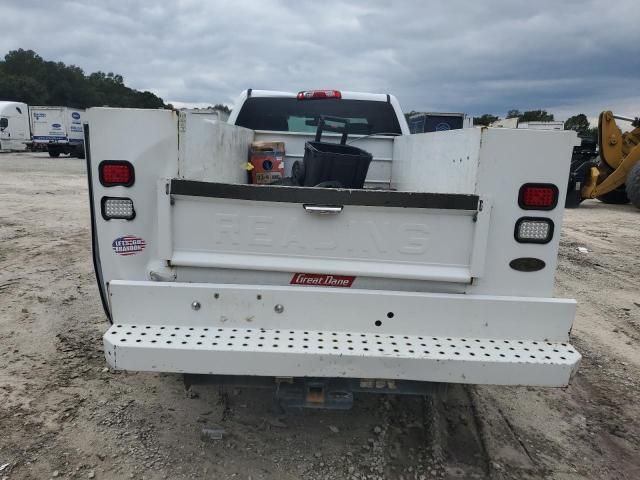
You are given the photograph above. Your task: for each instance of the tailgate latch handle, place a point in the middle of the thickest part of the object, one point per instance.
(323, 209)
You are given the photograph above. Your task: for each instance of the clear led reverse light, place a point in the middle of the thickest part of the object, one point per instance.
(534, 230)
(121, 208)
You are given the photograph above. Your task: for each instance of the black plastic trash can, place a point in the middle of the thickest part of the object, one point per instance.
(339, 164)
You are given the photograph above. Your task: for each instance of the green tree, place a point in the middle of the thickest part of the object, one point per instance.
(591, 133)
(531, 115)
(222, 108)
(536, 116)
(578, 123)
(485, 119)
(27, 77)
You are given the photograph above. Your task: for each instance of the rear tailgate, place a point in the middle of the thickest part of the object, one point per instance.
(392, 235)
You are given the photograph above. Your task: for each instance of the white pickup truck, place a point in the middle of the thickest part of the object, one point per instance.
(440, 270)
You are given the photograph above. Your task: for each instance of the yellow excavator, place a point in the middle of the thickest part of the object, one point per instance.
(614, 177)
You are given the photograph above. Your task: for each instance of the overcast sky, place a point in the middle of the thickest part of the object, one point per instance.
(473, 56)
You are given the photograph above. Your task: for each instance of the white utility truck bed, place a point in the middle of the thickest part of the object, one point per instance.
(440, 269)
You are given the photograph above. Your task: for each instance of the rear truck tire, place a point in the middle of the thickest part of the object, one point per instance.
(633, 185)
(615, 197)
(54, 153)
(578, 174)
(574, 194)
(79, 152)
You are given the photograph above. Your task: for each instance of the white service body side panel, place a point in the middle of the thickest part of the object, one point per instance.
(438, 162)
(149, 140)
(509, 158)
(211, 150)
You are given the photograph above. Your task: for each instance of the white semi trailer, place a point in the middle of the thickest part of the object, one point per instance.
(14, 126)
(440, 270)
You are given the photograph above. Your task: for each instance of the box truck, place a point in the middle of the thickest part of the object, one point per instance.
(57, 130)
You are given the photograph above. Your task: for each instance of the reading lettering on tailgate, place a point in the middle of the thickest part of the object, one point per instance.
(356, 237)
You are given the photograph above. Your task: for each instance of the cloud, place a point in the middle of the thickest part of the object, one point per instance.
(477, 57)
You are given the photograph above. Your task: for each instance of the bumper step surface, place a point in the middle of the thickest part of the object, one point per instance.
(308, 353)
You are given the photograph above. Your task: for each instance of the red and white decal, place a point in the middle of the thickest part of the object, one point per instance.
(128, 245)
(322, 280)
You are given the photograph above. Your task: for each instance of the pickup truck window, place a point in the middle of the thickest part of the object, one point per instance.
(292, 115)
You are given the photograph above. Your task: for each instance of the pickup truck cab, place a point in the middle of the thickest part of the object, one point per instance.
(276, 116)
(440, 270)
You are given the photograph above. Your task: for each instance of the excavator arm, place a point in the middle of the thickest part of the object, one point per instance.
(619, 153)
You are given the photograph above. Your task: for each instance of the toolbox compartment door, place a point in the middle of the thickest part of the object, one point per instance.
(388, 234)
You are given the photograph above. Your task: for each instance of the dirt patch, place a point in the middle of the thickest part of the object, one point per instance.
(63, 414)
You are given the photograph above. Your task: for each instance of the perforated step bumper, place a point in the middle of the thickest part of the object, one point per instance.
(298, 353)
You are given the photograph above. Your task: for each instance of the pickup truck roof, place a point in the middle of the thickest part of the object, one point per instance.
(402, 125)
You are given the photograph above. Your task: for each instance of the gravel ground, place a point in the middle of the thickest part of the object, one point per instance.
(63, 414)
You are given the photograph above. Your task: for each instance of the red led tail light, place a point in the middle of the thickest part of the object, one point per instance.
(116, 172)
(538, 196)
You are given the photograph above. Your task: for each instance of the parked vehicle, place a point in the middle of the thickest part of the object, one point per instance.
(542, 125)
(611, 171)
(438, 122)
(57, 130)
(440, 270)
(14, 126)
